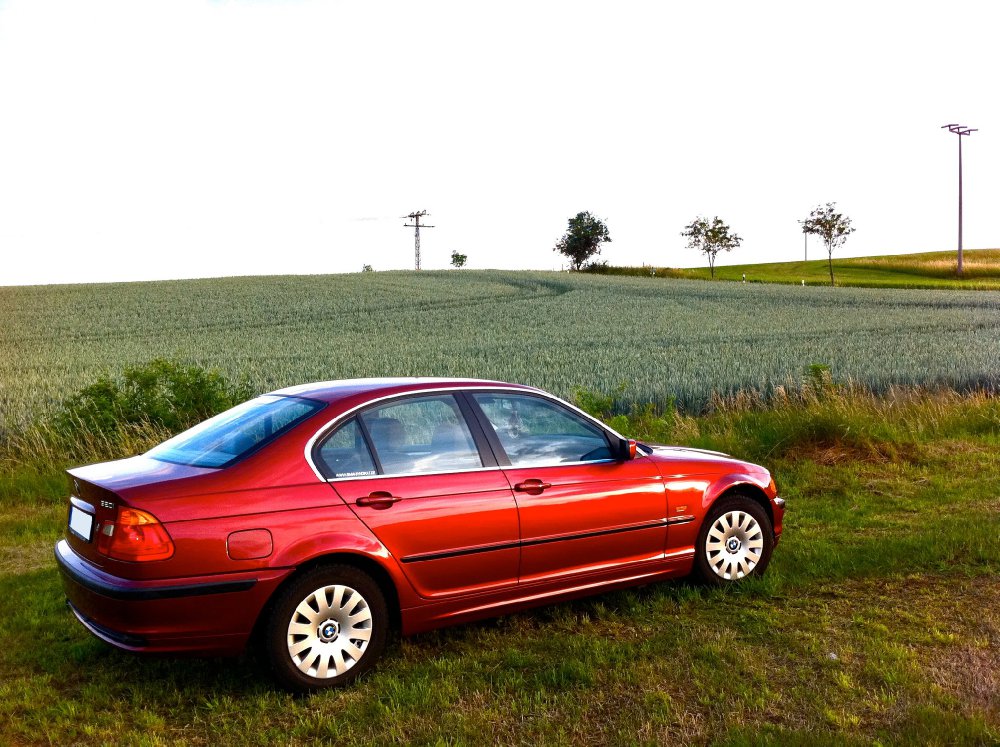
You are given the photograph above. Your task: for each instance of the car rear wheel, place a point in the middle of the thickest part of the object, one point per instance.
(326, 628)
(735, 541)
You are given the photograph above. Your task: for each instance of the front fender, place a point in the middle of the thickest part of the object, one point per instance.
(728, 482)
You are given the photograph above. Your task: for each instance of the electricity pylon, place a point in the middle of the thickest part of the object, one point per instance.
(415, 217)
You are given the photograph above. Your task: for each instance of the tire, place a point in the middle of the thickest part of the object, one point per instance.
(734, 543)
(326, 629)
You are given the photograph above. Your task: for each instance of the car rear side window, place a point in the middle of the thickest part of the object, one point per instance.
(235, 433)
(536, 432)
(345, 453)
(421, 434)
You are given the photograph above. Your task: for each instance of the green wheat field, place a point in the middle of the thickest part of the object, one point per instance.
(660, 340)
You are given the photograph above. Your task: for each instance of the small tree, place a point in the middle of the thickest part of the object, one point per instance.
(458, 260)
(710, 237)
(583, 239)
(829, 225)
(367, 268)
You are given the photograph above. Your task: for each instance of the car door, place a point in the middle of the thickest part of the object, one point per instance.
(580, 509)
(414, 472)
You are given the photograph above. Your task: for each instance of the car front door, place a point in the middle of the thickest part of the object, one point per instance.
(581, 510)
(413, 471)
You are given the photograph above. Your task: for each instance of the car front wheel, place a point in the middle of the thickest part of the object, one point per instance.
(328, 627)
(735, 541)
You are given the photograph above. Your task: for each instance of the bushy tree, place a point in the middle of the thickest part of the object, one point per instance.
(710, 237)
(458, 260)
(833, 227)
(583, 239)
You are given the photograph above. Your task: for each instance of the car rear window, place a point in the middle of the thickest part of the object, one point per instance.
(233, 434)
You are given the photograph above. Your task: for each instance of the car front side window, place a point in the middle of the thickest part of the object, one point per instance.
(535, 432)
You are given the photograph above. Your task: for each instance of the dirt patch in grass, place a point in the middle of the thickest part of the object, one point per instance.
(971, 673)
(965, 660)
(831, 454)
(18, 559)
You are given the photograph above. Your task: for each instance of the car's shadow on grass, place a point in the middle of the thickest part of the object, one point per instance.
(43, 638)
(528, 648)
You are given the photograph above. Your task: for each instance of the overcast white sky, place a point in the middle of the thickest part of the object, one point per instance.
(188, 138)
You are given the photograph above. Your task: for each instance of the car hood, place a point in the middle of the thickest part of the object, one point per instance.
(675, 460)
(683, 452)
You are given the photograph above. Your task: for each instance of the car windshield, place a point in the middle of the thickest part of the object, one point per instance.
(222, 440)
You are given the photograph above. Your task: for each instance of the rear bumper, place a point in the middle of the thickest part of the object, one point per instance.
(209, 614)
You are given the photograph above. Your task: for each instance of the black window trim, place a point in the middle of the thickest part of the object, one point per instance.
(486, 428)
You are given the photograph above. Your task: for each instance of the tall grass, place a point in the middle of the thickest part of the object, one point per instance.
(802, 420)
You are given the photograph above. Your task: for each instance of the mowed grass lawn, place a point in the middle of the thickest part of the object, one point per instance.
(879, 619)
(924, 270)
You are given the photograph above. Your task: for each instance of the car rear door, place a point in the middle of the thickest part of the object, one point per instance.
(580, 509)
(426, 484)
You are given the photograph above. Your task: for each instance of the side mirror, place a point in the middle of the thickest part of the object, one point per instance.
(626, 449)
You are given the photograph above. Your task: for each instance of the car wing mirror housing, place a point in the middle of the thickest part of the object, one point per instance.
(626, 449)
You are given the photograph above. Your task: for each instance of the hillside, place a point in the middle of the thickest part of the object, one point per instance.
(925, 270)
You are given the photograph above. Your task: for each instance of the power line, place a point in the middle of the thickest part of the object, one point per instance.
(415, 217)
(959, 130)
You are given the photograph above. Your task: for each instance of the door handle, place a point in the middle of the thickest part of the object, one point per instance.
(532, 486)
(379, 499)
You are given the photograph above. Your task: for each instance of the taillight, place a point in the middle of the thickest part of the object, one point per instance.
(136, 536)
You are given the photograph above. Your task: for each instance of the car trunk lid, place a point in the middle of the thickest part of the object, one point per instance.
(98, 490)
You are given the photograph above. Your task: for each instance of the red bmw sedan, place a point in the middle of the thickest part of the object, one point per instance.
(314, 518)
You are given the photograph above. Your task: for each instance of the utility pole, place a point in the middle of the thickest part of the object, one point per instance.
(415, 217)
(959, 130)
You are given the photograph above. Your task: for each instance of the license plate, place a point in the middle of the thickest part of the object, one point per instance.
(80, 523)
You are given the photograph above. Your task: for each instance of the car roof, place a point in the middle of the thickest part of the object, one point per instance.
(333, 391)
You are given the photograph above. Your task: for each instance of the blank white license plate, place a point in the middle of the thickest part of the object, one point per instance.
(80, 523)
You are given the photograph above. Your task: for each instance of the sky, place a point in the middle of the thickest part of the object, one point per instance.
(187, 138)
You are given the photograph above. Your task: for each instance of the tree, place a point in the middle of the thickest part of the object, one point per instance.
(710, 238)
(829, 225)
(458, 260)
(367, 268)
(583, 239)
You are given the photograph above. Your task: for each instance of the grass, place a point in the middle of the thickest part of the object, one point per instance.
(878, 621)
(667, 340)
(924, 270)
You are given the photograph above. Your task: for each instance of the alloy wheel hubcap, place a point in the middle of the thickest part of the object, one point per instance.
(329, 631)
(734, 545)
